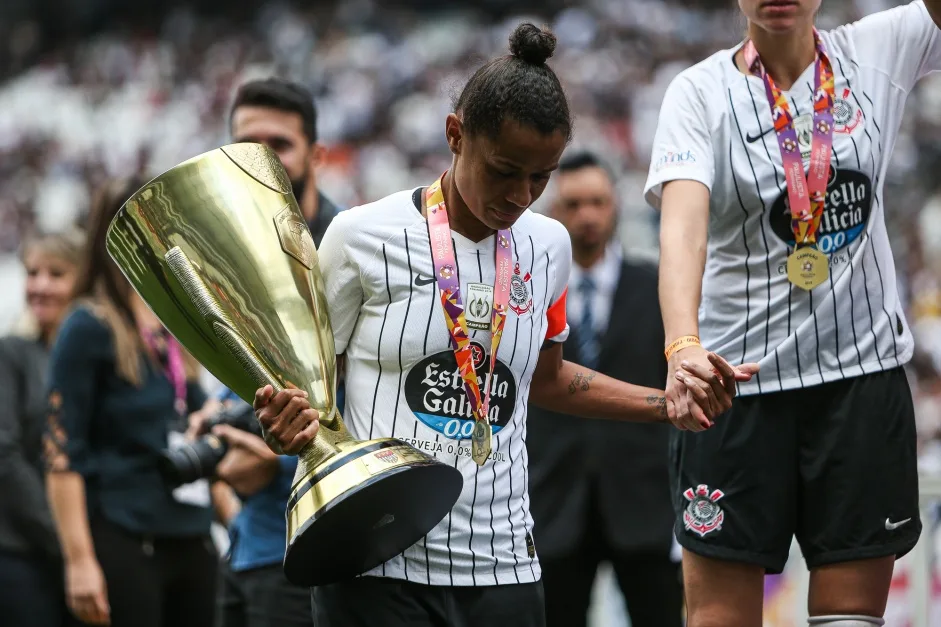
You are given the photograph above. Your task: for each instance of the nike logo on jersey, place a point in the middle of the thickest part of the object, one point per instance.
(751, 139)
(421, 281)
(892, 526)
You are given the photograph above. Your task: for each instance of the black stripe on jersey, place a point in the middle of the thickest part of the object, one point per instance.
(790, 288)
(382, 328)
(859, 357)
(872, 324)
(764, 237)
(861, 250)
(457, 457)
(790, 291)
(431, 309)
(408, 306)
(895, 346)
(496, 442)
(813, 314)
(529, 354)
(875, 186)
(398, 394)
(747, 270)
(836, 321)
(470, 543)
(509, 512)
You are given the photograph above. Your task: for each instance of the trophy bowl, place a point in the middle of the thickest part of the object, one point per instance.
(218, 249)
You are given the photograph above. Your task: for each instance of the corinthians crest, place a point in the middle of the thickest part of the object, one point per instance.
(703, 514)
(521, 300)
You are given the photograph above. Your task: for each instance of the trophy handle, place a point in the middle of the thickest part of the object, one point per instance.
(210, 310)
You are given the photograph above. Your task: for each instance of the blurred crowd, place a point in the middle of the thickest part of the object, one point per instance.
(135, 100)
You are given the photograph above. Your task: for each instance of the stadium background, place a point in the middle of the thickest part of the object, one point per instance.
(96, 88)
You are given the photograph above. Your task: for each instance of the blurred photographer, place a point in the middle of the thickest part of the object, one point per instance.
(250, 495)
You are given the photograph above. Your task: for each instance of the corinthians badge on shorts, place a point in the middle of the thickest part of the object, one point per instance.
(703, 513)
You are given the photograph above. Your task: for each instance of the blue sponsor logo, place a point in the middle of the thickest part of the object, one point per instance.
(434, 391)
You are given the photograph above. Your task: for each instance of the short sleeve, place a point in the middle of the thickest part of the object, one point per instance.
(557, 329)
(75, 362)
(342, 283)
(682, 149)
(904, 42)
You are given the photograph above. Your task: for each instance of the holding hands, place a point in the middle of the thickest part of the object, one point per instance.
(700, 384)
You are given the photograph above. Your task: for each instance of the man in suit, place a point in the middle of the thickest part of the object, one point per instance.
(600, 489)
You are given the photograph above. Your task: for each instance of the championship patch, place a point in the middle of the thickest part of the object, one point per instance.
(479, 306)
(703, 514)
(804, 127)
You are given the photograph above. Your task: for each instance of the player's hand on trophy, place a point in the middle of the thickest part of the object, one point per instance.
(286, 418)
(700, 387)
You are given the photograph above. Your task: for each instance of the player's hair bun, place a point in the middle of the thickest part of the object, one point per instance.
(532, 44)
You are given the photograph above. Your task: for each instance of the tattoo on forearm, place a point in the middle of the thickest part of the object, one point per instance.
(660, 402)
(581, 382)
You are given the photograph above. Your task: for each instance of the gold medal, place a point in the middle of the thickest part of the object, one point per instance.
(807, 267)
(480, 441)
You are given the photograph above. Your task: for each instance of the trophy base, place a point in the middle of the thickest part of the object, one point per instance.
(362, 508)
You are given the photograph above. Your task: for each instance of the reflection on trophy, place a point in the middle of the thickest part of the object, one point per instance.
(218, 249)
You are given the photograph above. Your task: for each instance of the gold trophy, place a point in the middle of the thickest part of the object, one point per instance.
(219, 250)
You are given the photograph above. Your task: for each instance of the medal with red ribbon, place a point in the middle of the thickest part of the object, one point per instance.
(807, 266)
(449, 289)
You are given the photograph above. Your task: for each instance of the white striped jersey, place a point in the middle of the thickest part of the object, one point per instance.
(715, 127)
(402, 379)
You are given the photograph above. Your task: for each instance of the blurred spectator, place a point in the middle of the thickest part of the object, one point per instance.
(31, 592)
(136, 553)
(281, 115)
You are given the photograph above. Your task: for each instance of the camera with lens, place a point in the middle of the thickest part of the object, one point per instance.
(198, 460)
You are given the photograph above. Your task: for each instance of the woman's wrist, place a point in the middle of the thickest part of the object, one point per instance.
(679, 344)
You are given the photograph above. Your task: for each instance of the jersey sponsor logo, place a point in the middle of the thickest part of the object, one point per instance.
(703, 514)
(845, 215)
(846, 115)
(673, 159)
(521, 299)
(434, 391)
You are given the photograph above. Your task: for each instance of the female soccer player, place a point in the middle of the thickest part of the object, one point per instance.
(769, 163)
(383, 283)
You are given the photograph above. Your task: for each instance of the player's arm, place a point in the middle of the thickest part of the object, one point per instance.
(684, 223)
(565, 387)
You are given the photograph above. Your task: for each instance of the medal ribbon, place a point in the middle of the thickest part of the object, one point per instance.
(449, 288)
(806, 194)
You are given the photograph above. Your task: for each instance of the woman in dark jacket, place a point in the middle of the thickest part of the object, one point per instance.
(31, 593)
(137, 552)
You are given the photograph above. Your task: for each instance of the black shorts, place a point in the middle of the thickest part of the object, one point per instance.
(834, 465)
(372, 601)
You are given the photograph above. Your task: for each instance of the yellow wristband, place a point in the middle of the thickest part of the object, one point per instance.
(678, 344)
